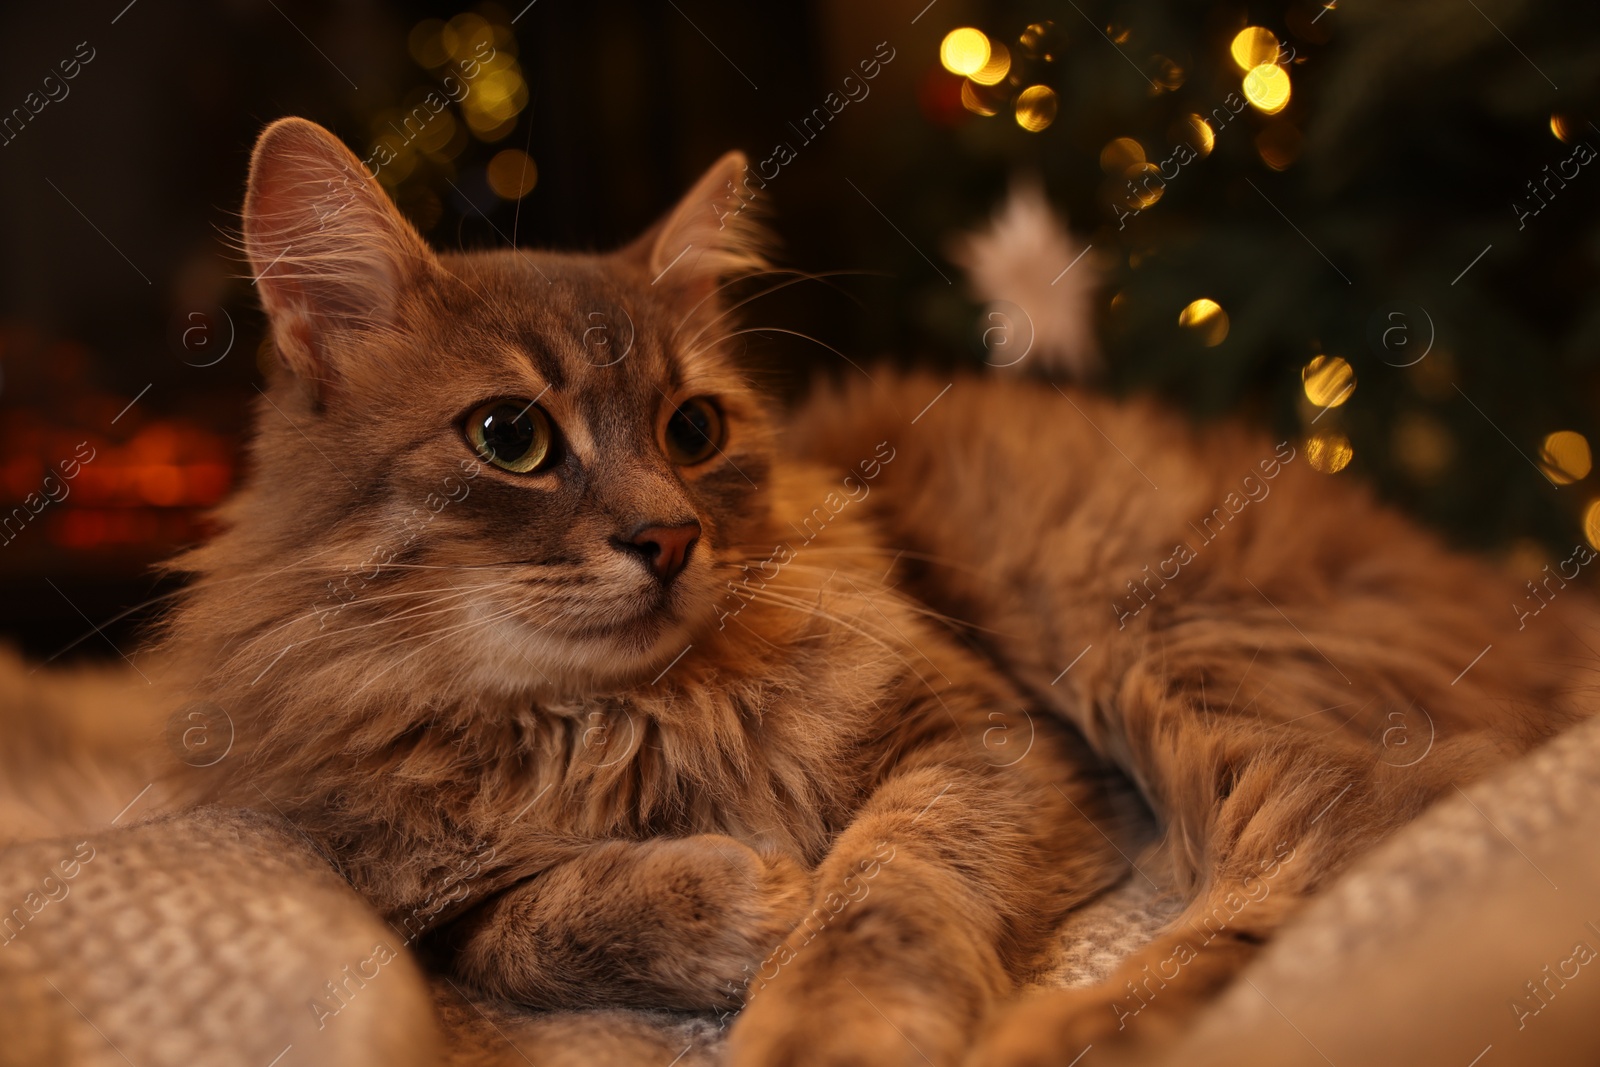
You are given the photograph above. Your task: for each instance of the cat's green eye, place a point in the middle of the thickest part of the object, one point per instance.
(695, 432)
(514, 435)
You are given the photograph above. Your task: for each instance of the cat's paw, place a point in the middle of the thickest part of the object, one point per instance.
(838, 1026)
(733, 907)
(1055, 1027)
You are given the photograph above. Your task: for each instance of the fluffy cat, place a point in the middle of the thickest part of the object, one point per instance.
(603, 692)
(594, 693)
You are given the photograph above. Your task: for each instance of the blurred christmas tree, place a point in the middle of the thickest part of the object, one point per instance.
(1372, 226)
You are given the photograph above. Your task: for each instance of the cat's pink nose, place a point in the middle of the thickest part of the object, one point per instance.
(667, 548)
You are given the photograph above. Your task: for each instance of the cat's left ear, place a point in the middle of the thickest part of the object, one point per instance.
(713, 235)
(330, 253)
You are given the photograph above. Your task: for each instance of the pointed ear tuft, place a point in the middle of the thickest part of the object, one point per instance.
(714, 234)
(329, 252)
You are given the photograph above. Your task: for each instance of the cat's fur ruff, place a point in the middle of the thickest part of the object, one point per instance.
(576, 786)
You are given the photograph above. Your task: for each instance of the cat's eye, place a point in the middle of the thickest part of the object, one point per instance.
(514, 435)
(695, 432)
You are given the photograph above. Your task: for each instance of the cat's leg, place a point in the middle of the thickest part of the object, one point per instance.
(929, 904)
(663, 923)
(1286, 813)
(1153, 991)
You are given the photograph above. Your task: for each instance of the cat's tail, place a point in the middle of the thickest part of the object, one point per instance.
(77, 745)
(1039, 284)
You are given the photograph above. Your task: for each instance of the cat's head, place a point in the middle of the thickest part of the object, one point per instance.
(513, 466)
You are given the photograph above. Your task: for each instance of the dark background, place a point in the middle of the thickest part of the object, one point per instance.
(1406, 150)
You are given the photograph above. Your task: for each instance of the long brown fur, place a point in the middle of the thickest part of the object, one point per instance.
(775, 783)
(1308, 676)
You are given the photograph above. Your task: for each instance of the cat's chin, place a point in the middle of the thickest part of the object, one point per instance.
(582, 659)
(623, 657)
(643, 650)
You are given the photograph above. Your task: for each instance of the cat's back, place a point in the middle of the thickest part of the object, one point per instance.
(1196, 558)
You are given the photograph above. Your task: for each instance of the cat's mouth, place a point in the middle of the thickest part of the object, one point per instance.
(638, 625)
(620, 627)
(638, 619)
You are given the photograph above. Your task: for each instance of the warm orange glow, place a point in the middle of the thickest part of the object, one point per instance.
(1206, 319)
(1201, 136)
(1328, 381)
(1267, 88)
(1591, 522)
(426, 44)
(974, 102)
(1329, 451)
(1253, 46)
(994, 71)
(1565, 457)
(1118, 155)
(1036, 108)
(512, 174)
(964, 51)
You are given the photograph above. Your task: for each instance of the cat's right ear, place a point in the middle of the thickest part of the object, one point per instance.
(328, 250)
(713, 235)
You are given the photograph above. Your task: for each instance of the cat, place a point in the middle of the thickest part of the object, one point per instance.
(1287, 668)
(606, 685)
(595, 693)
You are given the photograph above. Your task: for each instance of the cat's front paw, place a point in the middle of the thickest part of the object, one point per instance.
(729, 906)
(842, 1029)
(1055, 1027)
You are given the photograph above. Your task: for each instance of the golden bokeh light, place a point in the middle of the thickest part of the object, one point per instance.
(1035, 40)
(973, 100)
(998, 66)
(480, 56)
(1562, 126)
(1253, 46)
(1267, 88)
(1565, 458)
(443, 139)
(1118, 155)
(1591, 522)
(1329, 451)
(1143, 187)
(426, 44)
(1168, 74)
(497, 97)
(964, 51)
(1036, 108)
(1206, 319)
(499, 94)
(465, 34)
(487, 128)
(512, 174)
(1328, 381)
(505, 41)
(1197, 131)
